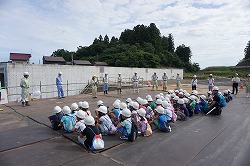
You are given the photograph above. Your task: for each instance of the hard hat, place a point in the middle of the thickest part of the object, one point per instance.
(161, 94)
(100, 102)
(57, 109)
(81, 114)
(209, 92)
(184, 91)
(126, 112)
(26, 73)
(150, 99)
(181, 93)
(119, 73)
(167, 99)
(60, 73)
(74, 106)
(89, 120)
(203, 97)
(80, 104)
(158, 101)
(195, 76)
(186, 94)
(165, 104)
(135, 72)
(171, 91)
(210, 74)
(162, 98)
(103, 109)
(135, 105)
(186, 100)
(225, 91)
(66, 110)
(116, 104)
(106, 73)
(128, 100)
(142, 112)
(85, 105)
(194, 92)
(160, 110)
(117, 100)
(158, 96)
(176, 91)
(130, 104)
(173, 95)
(180, 90)
(138, 99)
(123, 105)
(215, 88)
(144, 101)
(167, 96)
(192, 98)
(176, 98)
(148, 96)
(180, 101)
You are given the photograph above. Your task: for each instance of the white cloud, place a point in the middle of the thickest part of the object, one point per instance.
(216, 32)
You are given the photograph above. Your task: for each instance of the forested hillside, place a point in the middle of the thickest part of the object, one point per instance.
(143, 47)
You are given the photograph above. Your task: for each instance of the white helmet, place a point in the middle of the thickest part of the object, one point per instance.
(148, 96)
(203, 97)
(123, 105)
(126, 112)
(57, 109)
(180, 101)
(116, 104)
(157, 96)
(158, 101)
(173, 95)
(144, 101)
(167, 99)
(74, 106)
(85, 105)
(167, 96)
(135, 105)
(66, 110)
(209, 92)
(176, 98)
(186, 94)
(130, 104)
(170, 91)
(150, 99)
(26, 73)
(165, 104)
(80, 104)
(89, 120)
(181, 90)
(194, 92)
(103, 109)
(162, 98)
(117, 100)
(229, 89)
(161, 94)
(192, 98)
(177, 91)
(225, 91)
(215, 88)
(128, 100)
(181, 93)
(138, 99)
(142, 112)
(60, 73)
(186, 100)
(160, 110)
(81, 114)
(100, 102)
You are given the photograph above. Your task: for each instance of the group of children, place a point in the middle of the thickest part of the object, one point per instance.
(126, 116)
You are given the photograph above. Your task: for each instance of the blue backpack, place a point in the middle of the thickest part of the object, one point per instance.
(223, 101)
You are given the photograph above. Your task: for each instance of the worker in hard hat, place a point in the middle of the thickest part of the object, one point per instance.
(59, 85)
(210, 82)
(235, 83)
(135, 80)
(94, 84)
(119, 84)
(25, 85)
(154, 81)
(194, 82)
(178, 81)
(164, 81)
(105, 85)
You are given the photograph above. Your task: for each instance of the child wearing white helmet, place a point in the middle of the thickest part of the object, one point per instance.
(74, 108)
(160, 120)
(191, 105)
(126, 124)
(85, 108)
(134, 113)
(151, 103)
(143, 127)
(167, 109)
(56, 118)
(209, 96)
(68, 120)
(203, 103)
(225, 94)
(115, 112)
(80, 125)
(183, 108)
(104, 122)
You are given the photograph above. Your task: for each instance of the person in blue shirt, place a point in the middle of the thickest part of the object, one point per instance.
(126, 124)
(56, 118)
(59, 86)
(115, 113)
(203, 104)
(183, 108)
(160, 120)
(68, 121)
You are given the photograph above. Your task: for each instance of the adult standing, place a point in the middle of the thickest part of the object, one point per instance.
(154, 81)
(119, 84)
(210, 82)
(105, 85)
(194, 82)
(59, 86)
(164, 81)
(25, 85)
(135, 80)
(235, 80)
(178, 81)
(94, 84)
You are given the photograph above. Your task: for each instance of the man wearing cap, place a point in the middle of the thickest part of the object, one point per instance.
(178, 81)
(216, 102)
(154, 81)
(119, 84)
(25, 85)
(235, 83)
(164, 81)
(59, 86)
(135, 80)
(194, 82)
(105, 85)
(210, 82)
(94, 84)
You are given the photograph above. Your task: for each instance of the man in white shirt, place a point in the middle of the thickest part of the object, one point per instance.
(194, 82)
(154, 81)
(164, 81)
(235, 80)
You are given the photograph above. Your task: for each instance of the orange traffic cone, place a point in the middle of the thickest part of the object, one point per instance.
(241, 86)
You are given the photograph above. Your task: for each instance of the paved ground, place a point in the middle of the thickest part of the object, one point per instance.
(26, 138)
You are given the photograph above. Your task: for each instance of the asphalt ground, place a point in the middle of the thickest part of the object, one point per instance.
(27, 139)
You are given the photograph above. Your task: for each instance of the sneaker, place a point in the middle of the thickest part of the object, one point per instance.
(123, 137)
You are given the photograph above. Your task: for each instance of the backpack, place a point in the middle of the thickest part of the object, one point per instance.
(111, 128)
(223, 102)
(134, 132)
(97, 142)
(71, 123)
(148, 131)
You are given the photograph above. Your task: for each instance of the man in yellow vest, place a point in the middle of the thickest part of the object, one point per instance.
(25, 85)
(235, 81)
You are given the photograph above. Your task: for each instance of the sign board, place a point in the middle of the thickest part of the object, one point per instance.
(4, 98)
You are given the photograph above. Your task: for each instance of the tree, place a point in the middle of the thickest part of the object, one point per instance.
(247, 51)
(63, 53)
(184, 53)
(171, 47)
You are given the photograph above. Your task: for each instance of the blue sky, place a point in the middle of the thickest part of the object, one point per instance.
(217, 31)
